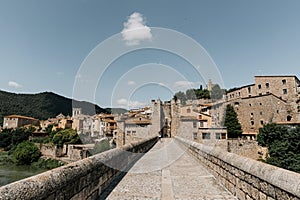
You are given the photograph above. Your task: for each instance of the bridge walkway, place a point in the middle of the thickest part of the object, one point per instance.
(168, 172)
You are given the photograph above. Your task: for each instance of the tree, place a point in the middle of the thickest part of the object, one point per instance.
(10, 138)
(190, 94)
(271, 133)
(19, 135)
(66, 136)
(216, 92)
(49, 128)
(26, 153)
(231, 122)
(202, 94)
(283, 145)
(181, 96)
(5, 138)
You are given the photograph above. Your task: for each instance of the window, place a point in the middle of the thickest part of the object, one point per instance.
(250, 104)
(236, 104)
(260, 104)
(267, 85)
(260, 94)
(284, 91)
(283, 81)
(260, 112)
(288, 118)
(201, 124)
(259, 86)
(223, 136)
(188, 110)
(252, 123)
(249, 89)
(194, 124)
(195, 135)
(205, 136)
(261, 122)
(218, 136)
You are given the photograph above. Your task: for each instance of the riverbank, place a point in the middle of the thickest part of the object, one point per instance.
(11, 172)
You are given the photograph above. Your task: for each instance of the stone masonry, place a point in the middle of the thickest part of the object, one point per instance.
(245, 177)
(270, 99)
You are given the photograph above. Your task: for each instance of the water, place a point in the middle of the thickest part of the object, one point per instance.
(11, 173)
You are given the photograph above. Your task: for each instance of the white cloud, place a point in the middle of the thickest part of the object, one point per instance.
(135, 30)
(131, 83)
(184, 85)
(124, 103)
(14, 84)
(59, 73)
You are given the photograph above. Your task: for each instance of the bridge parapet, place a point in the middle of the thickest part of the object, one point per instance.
(244, 177)
(84, 179)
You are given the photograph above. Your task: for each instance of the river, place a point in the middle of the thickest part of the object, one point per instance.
(12, 173)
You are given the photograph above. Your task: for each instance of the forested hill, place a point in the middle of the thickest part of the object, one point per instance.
(42, 105)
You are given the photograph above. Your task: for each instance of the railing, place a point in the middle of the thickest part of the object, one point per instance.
(84, 179)
(244, 177)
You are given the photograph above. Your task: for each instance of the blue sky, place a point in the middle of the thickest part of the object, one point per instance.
(44, 43)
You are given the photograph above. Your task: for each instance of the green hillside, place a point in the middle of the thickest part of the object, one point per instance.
(42, 105)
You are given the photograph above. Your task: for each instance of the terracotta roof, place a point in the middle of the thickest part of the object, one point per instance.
(109, 120)
(19, 116)
(139, 120)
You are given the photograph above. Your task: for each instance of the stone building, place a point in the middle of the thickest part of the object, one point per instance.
(270, 99)
(141, 123)
(16, 121)
(198, 122)
(103, 125)
(60, 121)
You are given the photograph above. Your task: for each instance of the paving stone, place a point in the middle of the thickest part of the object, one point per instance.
(169, 172)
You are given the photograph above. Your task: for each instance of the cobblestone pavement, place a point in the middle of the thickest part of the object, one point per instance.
(168, 172)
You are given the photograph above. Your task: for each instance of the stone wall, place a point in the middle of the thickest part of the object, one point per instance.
(84, 179)
(247, 148)
(245, 177)
(254, 112)
(50, 150)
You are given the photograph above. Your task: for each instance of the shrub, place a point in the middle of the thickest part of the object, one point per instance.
(26, 153)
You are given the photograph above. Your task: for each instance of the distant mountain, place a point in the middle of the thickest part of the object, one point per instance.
(42, 105)
(116, 110)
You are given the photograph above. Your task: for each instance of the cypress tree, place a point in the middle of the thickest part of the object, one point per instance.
(234, 128)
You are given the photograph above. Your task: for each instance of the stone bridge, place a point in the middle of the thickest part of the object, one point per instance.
(168, 169)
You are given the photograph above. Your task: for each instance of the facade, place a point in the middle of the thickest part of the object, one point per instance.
(97, 126)
(270, 99)
(16, 121)
(140, 124)
(199, 121)
(103, 125)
